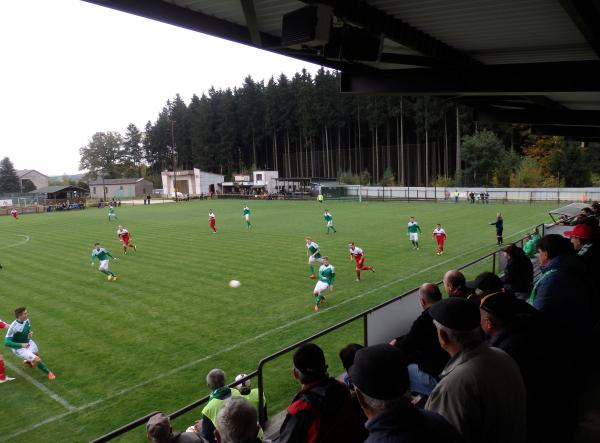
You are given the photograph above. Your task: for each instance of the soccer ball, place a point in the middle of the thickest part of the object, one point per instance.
(234, 284)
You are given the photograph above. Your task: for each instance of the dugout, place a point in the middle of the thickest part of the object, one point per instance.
(61, 193)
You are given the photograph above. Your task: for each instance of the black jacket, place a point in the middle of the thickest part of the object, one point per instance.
(518, 274)
(421, 346)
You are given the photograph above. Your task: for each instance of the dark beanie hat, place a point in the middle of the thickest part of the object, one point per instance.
(380, 372)
(486, 282)
(500, 304)
(456, 313)
(309, 359)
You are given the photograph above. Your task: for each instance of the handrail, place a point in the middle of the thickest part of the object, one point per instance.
(258, 372)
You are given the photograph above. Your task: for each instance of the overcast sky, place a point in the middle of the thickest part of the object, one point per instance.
(70, 69)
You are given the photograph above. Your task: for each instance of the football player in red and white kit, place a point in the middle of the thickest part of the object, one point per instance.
(125, 238)
(357, 254)
(439, 235)
(3, 377)
(14, 213)
(212, 221)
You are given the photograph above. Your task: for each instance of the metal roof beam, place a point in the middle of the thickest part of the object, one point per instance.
(376, 21)
(575, 132)
(251, 21)
(586, 16)
(540, 117)
(515, 79)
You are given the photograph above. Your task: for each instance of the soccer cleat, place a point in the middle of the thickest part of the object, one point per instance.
(5, 379)
(316, 308)
(51, 376)
(134, 247)
(115, 278)
(313, 276)
(372, 268)
(358, 279)
(109, 278)
(437, 253)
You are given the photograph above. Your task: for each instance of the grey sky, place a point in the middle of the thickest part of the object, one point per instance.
(70, 69)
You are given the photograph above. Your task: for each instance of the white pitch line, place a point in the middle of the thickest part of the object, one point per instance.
(247, 341)
(49, 392)
(19, 243)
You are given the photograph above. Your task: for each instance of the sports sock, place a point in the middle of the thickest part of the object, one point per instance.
(43, 367)
(106, 272)
(2, 373)
(312, 269)
(358, 274)
(319, 298)
(417, 244)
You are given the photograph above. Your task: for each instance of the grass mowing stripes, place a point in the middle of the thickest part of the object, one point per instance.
(171, 311)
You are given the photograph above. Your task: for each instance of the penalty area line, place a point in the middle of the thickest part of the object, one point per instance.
(26, 238)
(249, 340)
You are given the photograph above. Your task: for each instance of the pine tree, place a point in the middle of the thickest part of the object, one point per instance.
(9, 181)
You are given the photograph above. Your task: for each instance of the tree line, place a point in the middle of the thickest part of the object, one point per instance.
(303, 127)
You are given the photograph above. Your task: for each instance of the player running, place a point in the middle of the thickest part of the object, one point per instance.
(212, 220)
(413, 232)
(14, 213)
(326, 278)
(18, 338)
(329, 221)
(246, 215)
(314, 255)
(111, 213)
(125, 238)
(3, 377)
(103, 257)
(439, 235)
(357, 254)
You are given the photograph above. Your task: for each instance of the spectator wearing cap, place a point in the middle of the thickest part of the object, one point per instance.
(237, 422)
(380, 377)
(560, 295)
(421, 348)
(582, 239)
(245, 389)
(518, 273)
(454, 283)
(347, 355)
(219, 393)
(158, 430)
(511, 324)
(485, 283)
(481, 390)
(322, 410)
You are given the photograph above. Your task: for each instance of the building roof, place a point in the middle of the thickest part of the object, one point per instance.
(57, 188)
(22, 172)
(116, 181)
(520, 61)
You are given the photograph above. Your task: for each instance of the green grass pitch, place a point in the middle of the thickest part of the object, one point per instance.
(145, 342)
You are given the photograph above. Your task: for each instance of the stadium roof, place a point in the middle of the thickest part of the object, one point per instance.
(520, 61)
(57, 188)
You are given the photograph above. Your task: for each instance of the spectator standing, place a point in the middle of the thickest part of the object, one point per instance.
(481, 390)
(518, 274)
(455, 284)
(381, 379)
(237, 422)
(158, 430)
(322, 410)
(421, 348)
(499, 223)
(220, 392)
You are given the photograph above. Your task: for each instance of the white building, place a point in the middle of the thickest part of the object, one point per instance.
(37, 178)
(191, 182)
(265, 180)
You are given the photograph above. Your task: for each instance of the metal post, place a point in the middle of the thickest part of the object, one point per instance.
(174, 160)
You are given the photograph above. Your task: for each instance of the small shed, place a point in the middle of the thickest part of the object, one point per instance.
(107, 188)
(61, 192)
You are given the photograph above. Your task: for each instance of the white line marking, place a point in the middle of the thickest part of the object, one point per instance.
(50, 393)
(247, 341)
(19, 243)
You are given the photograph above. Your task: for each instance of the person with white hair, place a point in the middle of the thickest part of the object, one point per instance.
(237, 422)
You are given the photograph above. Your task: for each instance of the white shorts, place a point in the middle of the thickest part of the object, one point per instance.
(320, 287)
(330, 223)
(103, 265)
(27, 353)
(413, 236)
(312, 259)
(246, 217)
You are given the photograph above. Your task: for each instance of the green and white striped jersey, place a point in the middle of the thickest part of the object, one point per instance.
(101, 254)
(18, 333)
(312, 248)
(327, 274)
(246, 210)
(328, 217)
(413, 227)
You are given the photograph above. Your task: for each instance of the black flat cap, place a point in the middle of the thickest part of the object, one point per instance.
(456, 313)
(309, 359)
(380, 372)
(486, 281)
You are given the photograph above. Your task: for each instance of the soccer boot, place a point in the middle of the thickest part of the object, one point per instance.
(5, 379)
(313, 276)
(109, 277)
(51, 376)
(115, 278)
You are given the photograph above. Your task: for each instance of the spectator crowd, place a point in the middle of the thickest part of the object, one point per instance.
(500, 359)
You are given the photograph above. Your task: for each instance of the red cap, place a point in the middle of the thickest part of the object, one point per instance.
(581, 230)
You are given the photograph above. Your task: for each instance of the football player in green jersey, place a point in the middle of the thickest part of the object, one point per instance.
(103, 257)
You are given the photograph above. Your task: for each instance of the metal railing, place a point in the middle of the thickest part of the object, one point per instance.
(495, 266)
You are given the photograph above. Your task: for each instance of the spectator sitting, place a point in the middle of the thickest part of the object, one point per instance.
(322, 410)
(220, 392)
(518, 274)
(158, 430)
(237, 422)
(560, 295)
(510, 324)
(245, 389)
(380, 376)
(347, 355)
(421, 348)
(485, 283)
(455, 284)
(596, 210)
(481, 390)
